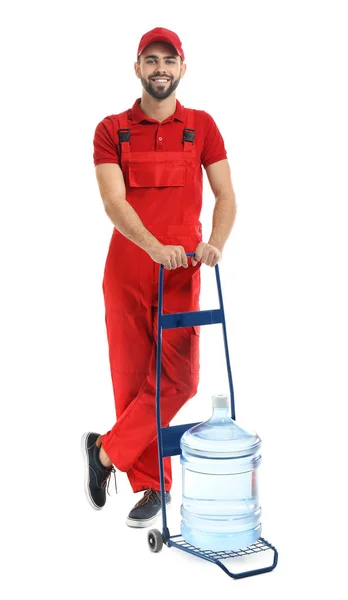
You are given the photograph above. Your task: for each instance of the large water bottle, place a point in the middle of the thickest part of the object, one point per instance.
(220, 506)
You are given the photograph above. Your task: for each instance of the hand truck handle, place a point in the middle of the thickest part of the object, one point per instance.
(220, 318)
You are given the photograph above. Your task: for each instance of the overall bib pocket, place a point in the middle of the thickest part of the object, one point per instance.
(156, 174)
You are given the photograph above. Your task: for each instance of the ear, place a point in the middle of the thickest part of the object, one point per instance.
(137, 69)
(182, 70)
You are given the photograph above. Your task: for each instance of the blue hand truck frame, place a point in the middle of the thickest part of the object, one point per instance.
(169, 437)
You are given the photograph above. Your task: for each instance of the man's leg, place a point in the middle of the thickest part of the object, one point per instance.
(135, 430)
(131, 345)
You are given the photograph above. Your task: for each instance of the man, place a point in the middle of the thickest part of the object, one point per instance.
(149, 170)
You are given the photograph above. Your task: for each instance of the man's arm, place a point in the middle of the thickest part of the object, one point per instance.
(219, 176)
(126, 220)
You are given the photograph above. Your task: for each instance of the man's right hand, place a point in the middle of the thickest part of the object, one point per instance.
(171, 257)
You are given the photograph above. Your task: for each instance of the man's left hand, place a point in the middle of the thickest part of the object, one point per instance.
(206, 254)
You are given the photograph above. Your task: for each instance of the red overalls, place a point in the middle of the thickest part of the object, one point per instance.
(130, 291)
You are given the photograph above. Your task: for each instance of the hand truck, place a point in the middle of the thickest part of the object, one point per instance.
(169, 437)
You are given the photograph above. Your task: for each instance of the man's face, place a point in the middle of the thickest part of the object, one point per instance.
(160, 70)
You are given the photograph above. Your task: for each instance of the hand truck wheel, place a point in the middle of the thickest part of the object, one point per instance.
(155, 540)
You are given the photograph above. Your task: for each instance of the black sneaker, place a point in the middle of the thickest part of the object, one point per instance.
(146, 511)
(97, 477)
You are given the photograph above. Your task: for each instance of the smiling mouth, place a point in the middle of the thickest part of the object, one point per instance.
(159, 80)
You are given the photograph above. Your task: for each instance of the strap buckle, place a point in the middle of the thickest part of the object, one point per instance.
(124, 135)
(189, 135)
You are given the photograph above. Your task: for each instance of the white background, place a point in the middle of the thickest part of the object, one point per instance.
(273, 76)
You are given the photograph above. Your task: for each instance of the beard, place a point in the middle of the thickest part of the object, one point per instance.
(160, 92)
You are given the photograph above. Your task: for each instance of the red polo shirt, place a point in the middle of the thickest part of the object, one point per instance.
(150, 135)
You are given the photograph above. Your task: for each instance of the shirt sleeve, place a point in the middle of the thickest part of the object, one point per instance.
(214, 147)
(105, 149)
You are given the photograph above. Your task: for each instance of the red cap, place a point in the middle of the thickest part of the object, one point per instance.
(160, 34)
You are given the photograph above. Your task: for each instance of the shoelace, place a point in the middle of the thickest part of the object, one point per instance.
(149, 495)
(106, 482)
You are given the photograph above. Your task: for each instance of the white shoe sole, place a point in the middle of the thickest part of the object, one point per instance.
(86, 465)
(145, 522)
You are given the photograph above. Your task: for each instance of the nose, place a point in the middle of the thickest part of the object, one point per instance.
(161, 68)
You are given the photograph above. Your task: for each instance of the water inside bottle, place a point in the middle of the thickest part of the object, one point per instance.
(220, 505)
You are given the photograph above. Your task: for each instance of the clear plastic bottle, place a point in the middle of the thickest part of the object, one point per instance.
(220, 506)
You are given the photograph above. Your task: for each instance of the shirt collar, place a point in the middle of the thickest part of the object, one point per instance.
(138, 116)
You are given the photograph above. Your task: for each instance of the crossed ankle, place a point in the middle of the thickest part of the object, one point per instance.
(104, 459)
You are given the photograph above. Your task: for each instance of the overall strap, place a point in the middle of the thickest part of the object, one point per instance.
(189, 131)
(124, 131)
